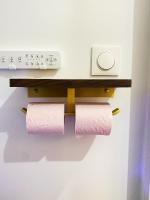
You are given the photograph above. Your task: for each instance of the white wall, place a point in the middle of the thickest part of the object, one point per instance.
(146, 147)
(138, 183)
(64, 168)
(146, 139)
(72, 27)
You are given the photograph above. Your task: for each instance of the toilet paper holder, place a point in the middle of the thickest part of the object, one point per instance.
(71, 94)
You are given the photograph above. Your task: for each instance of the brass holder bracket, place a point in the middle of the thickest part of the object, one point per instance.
(63, 92)
(71, 94)
(70, 101)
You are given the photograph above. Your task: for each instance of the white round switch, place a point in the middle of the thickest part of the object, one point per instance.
(106, 60)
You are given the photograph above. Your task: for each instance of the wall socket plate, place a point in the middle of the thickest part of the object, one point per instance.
(29, 59)
(106, 60)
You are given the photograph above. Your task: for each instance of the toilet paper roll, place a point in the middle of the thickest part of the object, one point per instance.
(93, 119)
(45, 118)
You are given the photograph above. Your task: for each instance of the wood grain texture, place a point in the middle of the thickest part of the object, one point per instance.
(70, 83)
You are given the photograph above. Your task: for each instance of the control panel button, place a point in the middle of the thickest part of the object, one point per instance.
(106, 60)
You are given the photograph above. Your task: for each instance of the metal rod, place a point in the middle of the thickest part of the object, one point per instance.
(114, 112)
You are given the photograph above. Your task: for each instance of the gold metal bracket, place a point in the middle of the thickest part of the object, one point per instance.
(71, 94)
(63, 92)
(70, 100)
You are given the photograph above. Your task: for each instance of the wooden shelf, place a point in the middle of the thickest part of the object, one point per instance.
(71, 83)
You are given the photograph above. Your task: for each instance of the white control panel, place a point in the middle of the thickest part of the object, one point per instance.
(106, 60)
(30, 60)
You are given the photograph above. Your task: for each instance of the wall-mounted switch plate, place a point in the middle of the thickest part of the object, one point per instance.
(106, 60)
(30, 60)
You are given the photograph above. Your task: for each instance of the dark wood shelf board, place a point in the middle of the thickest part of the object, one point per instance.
(76, 83)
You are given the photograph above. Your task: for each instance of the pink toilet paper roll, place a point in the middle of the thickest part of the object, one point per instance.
(93, 119)
(45, 118)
